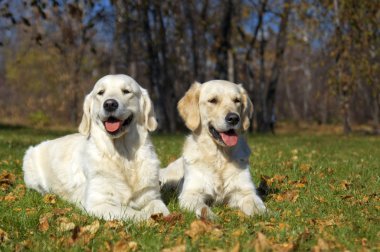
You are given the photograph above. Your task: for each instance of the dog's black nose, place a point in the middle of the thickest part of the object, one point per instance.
(110, 105)
(232, 119)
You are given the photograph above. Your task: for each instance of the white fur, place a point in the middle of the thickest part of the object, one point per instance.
(211, 171)
(109, 176)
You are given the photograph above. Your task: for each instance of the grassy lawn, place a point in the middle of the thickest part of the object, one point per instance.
(324, 193)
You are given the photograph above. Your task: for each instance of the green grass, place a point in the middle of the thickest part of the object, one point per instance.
(323, 191)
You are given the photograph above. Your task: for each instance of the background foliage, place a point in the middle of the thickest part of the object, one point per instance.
(311, 61)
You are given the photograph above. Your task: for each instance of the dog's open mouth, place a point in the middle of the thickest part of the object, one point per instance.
(114, 125)
(229, 138)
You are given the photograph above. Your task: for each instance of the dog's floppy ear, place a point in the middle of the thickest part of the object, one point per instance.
(247, 109)
(148, 111)
(85, 125)
(188, 107)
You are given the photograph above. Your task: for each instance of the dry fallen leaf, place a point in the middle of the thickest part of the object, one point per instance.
(289, 195)
(7, 179)
(320, 199)
(92, 228)
(284, 247)
(236, 248)
(345, 185)
(238, 232)
(132, 246)
(61, 211)
(64, 224)
(114, 224)
(50, 199)
(173, 218)
(120, 246)
(321, 246)
(3, 236)
(43, 225)
(9, 197)
(261, 243)
(178, 248)
(199, 227)
(305, 167)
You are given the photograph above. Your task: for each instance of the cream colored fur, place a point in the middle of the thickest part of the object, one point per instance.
(210, 171)
(109, 176)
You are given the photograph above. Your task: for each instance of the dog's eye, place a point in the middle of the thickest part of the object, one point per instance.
(126, 91)
(236, 100)
(101, 92)
(213, 101)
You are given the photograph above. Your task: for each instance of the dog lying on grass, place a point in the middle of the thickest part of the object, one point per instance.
(214, 167)
(110, 169)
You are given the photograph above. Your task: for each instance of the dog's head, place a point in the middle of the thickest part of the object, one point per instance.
(115, 103)
(221, 107)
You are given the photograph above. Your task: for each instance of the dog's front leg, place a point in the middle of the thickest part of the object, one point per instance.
(103, 201)
(194, 201)
(247, 201)
(149, 201)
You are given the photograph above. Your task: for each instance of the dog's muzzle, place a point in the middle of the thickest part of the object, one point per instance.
(228, 138)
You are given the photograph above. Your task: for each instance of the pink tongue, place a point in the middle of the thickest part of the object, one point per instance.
(112, 126)
(229, 139)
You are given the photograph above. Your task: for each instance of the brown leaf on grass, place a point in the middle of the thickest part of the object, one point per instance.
(321, 224)
(305, 167)
(43, 225)
(132, 246)
(289, 195)
(345, 185)
(283, 247)
(50, 199)
(322, 245)
(200, 227)
(238, 232)
(212, 250)
(320, 199)
(9, 197)
(64, 224)
(261, 243)
(30, 211)
(178, 248)
(114, 224)
(173, 218)
(92, 228)
(120, 246)
(236, 248)
(61, 211)
(3, 236)
(7, 179)
(24, 245)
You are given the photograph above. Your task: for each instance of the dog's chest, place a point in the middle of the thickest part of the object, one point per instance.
(220, 180)
(127, 173)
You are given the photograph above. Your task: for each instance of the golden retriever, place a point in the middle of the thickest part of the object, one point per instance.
(110, 169)
(215, 161)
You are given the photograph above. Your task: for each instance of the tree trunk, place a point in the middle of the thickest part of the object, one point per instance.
(376, 114)
(166, 82)
(260, 90)
(224, 41)
(269, 116)
(248, 62)
(153, 67)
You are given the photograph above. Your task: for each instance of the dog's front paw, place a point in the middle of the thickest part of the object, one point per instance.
(253, 205)
(158, 207)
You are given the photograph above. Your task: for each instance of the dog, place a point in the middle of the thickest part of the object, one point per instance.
(214, 167)
(110, 168)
